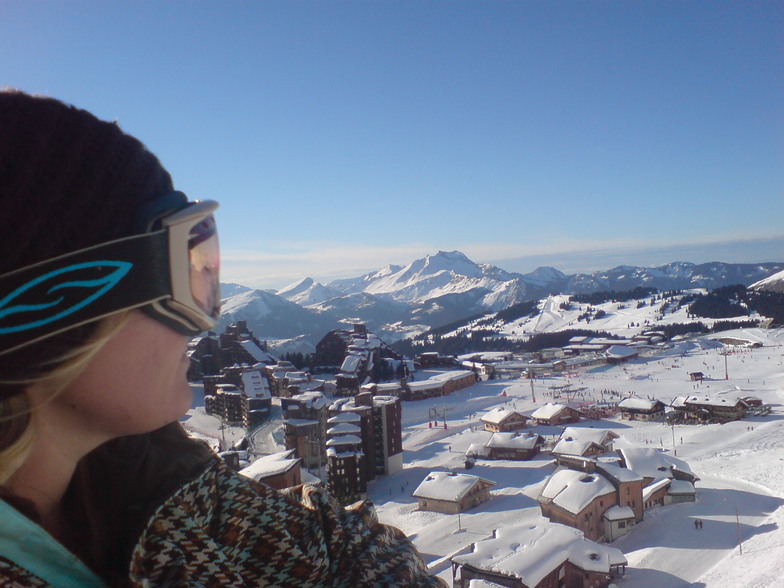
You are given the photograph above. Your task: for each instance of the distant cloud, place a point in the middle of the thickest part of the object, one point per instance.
(324, 261)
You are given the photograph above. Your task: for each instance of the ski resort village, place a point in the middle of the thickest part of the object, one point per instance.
(638, 452)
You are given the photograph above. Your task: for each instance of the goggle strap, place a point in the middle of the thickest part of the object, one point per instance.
(77, 288)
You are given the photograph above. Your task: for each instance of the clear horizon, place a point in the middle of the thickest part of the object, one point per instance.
(342, 137)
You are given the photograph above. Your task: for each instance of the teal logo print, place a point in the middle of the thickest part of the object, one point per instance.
(59, 293)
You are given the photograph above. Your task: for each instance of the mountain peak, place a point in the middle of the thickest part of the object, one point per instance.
(454, 255)
(296, 288)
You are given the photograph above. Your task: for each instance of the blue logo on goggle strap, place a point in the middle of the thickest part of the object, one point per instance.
(34, 304)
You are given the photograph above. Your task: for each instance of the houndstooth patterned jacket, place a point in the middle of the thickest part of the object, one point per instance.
(217, 528)
(225, 530)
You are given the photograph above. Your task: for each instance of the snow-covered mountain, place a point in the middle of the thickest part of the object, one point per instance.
(271, 316)
(448, 286)
(445, 273)
(774, 283)
(678, 275)
(306, 292)
(360, 307)
(454, 273)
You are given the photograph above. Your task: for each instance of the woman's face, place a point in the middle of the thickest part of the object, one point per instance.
(136, 383)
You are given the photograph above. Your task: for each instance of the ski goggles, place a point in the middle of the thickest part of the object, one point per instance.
(170, 271)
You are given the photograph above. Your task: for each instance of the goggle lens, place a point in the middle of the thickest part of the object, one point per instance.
(205, 266)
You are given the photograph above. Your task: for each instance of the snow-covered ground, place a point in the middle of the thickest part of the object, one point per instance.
(740, 495)
(741, 470)
(624, 319)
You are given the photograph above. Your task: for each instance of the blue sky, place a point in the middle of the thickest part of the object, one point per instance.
(342, 136)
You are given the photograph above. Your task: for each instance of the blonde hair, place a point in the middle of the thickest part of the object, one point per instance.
(18, 413)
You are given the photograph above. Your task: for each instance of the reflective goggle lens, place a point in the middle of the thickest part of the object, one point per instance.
(204, 255)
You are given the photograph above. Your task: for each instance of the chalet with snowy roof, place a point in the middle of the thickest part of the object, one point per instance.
(541, 555)
(704, 409)
(512, 446)
(556, 414)
(641, 409)
(696, 376)
(451, 492)
(604, 503)
(584, 441)
(577, 499)
(503, 420)
(279, 470)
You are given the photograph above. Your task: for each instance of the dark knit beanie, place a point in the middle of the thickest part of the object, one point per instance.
(67, 181)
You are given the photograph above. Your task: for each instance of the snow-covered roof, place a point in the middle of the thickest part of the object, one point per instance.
(654, 487)
(513, 441)
(332, 452)
(345, 417)
(635, 403)
(548, 411)
(499, 414)
(315, 400)
(621, 352)
(430, 384)
(452, 375)
(678, 402)
(618, 513)
(530, 552)
(617, 472)
(344, 428)
(573, 491)
(255, 385)
(577, 440)
(351, 364)
(476, 449)
(270, 465)
(709, 401)
(293, 377)
(652, 463)
(300, 422)
(449, 486)
(681, 487)
(344, 440)
(256, 352)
